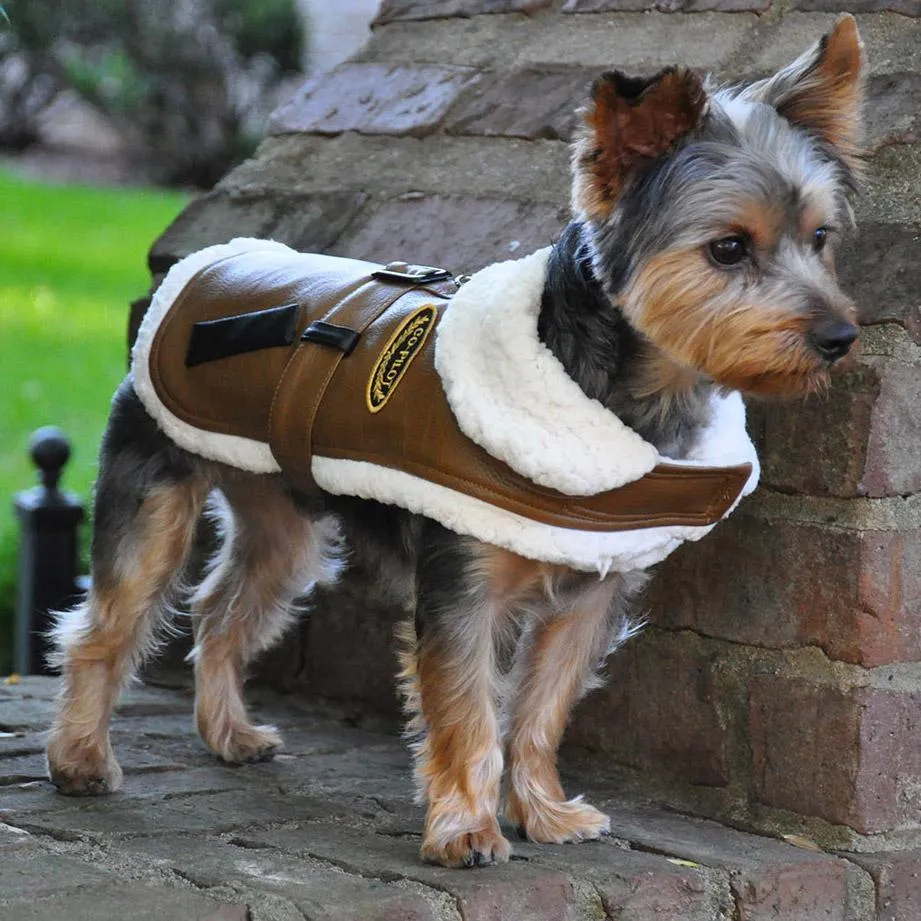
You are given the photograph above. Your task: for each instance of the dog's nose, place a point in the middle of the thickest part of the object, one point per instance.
(832, 339)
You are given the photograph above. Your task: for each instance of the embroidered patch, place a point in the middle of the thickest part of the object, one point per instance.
(398, 355)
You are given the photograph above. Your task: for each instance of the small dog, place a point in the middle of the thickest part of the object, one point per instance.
(699, 262)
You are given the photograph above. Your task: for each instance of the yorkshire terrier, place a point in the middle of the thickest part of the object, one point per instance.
(699, 261)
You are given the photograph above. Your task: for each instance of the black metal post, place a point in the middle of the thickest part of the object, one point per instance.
(48, 580)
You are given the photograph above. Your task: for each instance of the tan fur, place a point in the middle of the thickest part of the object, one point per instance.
(693, 317)
(269, 556)
(103, 640)
(560, 662)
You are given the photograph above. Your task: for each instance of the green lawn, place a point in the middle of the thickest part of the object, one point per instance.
(71, 258)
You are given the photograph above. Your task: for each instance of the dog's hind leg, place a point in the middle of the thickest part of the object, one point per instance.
(271, 553)
(450, 682)
(557, 666)
(147, 501)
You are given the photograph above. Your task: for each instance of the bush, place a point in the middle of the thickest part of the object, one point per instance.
(188, 84)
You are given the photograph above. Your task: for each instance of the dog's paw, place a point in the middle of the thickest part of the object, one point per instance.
(557, 822)
(77, 772)
(249, 744)
(471, 849)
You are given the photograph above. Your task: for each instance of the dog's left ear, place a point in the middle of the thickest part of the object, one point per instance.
(629, 123)
(823, 90)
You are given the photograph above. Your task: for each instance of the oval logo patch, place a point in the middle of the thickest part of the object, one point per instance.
(398, 355)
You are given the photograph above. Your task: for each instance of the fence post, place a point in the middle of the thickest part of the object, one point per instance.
(48, 548)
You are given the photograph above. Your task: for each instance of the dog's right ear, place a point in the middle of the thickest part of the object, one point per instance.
(629, 123)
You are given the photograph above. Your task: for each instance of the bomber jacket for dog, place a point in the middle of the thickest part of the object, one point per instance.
(395, 384)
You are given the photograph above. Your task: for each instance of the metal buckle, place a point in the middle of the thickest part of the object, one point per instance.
(411, 274)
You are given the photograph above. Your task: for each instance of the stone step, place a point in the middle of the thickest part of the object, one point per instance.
(329, 830)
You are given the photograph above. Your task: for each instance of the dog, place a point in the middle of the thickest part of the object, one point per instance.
(699, 263)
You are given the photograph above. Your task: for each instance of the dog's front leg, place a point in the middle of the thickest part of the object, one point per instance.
(556, 666)
(451, 684)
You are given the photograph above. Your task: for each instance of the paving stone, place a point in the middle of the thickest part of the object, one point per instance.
(905, 7)
(476, 232)
(374, 99)
(39, 686)
(401, 10)
(126, 900)
(21, 742)
(309, 223)
(766, 875)
(122, 816)
(851, 757)
(666, 6)
(512, 892)
(897, 878)
(14, 839)
(318, 889)
(25, 713)
(528, 102)
(36, 875)
(636, 885)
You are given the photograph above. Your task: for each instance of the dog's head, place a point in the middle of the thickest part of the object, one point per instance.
(713, 213)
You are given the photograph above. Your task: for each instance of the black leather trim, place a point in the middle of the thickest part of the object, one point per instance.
(339, 337)
(211, 340)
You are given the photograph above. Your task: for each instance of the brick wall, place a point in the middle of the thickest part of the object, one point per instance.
(780, 682)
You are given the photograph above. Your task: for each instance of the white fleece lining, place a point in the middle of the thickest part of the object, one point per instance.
(512, 396)
(589, 551)
(235, 450)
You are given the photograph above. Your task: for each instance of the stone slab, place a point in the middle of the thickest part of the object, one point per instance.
(374, 99)
(306, 222)
(475, 232)
(404, 10)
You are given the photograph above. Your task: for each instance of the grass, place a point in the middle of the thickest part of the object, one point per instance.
(71, 259)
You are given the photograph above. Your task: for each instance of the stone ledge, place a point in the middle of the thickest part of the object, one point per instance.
(406, 10)
(335, 830)
(374, 99)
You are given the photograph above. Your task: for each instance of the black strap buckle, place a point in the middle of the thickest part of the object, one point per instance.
(411, 274)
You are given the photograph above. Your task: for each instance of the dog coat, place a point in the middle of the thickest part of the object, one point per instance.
(399, 385)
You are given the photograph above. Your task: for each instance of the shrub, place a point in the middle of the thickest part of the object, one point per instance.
(188, 84)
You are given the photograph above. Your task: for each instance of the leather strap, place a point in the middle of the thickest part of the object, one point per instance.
(303, 384)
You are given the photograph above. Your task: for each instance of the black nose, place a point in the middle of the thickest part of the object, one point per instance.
(832, 339)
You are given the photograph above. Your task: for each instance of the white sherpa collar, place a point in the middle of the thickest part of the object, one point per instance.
(513, 397)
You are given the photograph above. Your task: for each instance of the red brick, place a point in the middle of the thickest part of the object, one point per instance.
(851, 757)
(666, 6)
(530, 102)
(905, 7)
(373, 99)
(818, 446)
(805, 892)
(890, 252)
(473, 232)
(897, 878)
(894, 445)
(658, 712)
(785, 584)
(395, 10)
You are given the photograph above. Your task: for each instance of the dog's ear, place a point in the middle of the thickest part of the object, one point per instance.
(823, 90)
(629, 123)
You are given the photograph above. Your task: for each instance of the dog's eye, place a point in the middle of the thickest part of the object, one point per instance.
(729, 250)
(819, 239)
